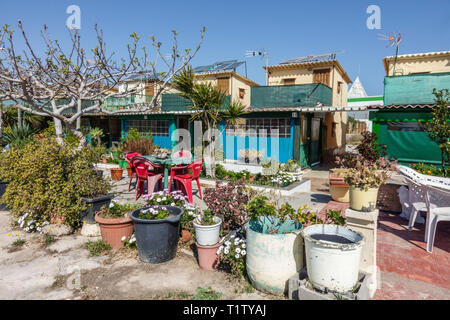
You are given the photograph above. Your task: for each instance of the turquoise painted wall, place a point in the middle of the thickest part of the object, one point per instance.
(233, 144)
(163, 142)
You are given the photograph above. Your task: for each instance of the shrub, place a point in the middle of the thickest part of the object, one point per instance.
(142, 146)
(18, 136)
(47, 181)
(431, 170)
(228, 202)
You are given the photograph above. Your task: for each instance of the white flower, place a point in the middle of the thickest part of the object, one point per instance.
(237, 256)
(243, 245)
(227, 243)
(111, 204)
(123, 238)
(226, 250)
(238, 250)
(244, 252)
(219, 250)
(164, 199)
(158, 200)
(232, 236)
(173, 204)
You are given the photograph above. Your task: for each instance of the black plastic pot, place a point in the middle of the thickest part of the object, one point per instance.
(94, 205)
(3, 185)
(157, 240)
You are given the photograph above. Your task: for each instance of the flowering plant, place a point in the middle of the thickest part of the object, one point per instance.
(30, 223)
(283, 179)
(116, 210)
(232, 253)
(154, 213)
(175, 199)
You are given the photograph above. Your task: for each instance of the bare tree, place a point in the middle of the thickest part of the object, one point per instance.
(59, 83)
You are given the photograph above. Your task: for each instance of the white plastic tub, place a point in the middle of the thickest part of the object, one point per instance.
(333, 254)
(208, 235)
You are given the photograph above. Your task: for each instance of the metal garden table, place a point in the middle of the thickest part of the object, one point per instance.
(166, 162)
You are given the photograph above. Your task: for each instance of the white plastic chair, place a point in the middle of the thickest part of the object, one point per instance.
(438, 209)
(416, 200)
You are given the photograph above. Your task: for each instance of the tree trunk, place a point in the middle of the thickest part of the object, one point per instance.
(1, 119)
(58, 130)
(19, 117)
(78, 126)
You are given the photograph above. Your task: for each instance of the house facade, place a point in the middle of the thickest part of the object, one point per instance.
(305, 102)
(408, 99)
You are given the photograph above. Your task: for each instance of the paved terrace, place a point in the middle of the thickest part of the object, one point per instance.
(407, 270)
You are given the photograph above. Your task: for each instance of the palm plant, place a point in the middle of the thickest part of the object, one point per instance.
(18, 135)
(96, 134)
(208, 103)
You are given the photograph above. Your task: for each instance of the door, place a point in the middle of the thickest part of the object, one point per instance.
(315, 142)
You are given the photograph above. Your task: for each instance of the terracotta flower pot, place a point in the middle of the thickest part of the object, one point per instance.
(186, 235)
(116, 173)
(207, 256)
(130, 173)
(113, 230)
(104, 160)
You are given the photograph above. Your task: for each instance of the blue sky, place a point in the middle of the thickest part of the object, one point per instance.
(285, 29)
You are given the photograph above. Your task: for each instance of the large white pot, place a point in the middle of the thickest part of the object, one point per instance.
(208, 235)
(273, 258)
(331, 264)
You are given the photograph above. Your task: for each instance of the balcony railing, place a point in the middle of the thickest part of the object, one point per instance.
(290, 95)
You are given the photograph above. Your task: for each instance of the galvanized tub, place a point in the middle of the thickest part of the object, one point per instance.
(273, 258)
(333, 254)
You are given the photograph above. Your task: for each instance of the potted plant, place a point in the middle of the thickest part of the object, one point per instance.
(207, 231)
(207, 228)
(116, 173)
(366, 172)
(364, 181)
(274, 244)
(251, 155)
(115, 224)
(3, 185)
(187, 226)
(156, 231)
(95, 195)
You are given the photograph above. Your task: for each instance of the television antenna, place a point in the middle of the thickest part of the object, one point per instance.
(262, 53)
(393, 40)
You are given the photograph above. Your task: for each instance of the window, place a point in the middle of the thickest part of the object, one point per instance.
(322, 76)
(156, 127)
(339, 84)
(241, 93)
(261, 128)
(289, 81)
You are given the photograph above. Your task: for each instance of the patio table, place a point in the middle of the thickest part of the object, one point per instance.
(166, 162)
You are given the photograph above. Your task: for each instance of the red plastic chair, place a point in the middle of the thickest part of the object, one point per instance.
(144, 173)
(128, 158)
(186, 179)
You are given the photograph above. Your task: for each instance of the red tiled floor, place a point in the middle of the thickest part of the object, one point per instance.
(408, 271)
